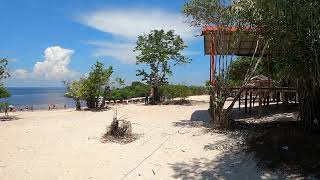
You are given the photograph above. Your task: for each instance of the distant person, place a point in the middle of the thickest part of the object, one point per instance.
(146, 100)
(65, 106)
(31, 108)
(6, 110)
(49, 107)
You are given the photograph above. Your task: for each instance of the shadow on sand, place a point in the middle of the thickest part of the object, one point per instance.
(275, 142)
(199, 118)
(232, 164)
(8, 118)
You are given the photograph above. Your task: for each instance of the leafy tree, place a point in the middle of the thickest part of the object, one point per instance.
(4, 93)
(96, 84)
(74, 91)
(202, 13)
(161, 51)
(92, 87)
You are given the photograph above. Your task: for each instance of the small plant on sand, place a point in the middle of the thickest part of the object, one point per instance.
(119, 131)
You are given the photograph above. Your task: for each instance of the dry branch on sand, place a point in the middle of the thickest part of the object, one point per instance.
(119, 131)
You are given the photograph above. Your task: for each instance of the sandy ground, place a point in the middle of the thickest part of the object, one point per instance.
(173, 144)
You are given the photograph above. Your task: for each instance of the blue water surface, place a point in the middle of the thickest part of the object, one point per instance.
(38, 97)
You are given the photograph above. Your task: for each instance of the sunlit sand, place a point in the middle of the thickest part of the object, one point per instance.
(173, 143)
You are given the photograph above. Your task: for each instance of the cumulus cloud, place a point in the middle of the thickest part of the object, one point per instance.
(53, 67)
(127, 24)
(55, 64)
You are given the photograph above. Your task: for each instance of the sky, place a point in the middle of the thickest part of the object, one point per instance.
(48, 41)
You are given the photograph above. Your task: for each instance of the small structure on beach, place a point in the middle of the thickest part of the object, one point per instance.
(260, 81)
(227, 41)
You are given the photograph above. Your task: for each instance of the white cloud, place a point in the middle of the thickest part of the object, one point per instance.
(120, 51)
(55, 64)
(127, 24)
(130, 23)
(53, 67)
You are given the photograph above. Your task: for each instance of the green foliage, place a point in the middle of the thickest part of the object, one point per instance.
(171, 91)
(3, 69)
(239, 68)
(293, 28)
(137, 89)
(4, 93)
(97, 79)
(161, 51)
(91, 87)
(208, 12)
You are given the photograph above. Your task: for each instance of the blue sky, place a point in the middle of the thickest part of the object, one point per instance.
(50, 41)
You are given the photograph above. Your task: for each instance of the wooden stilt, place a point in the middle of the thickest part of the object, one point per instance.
(246, 102)
(250, 102)
(239, 102)
(260, 103)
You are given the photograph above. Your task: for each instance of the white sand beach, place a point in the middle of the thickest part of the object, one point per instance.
(173, 144)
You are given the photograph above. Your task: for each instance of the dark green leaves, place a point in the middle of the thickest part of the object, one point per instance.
(161, 51)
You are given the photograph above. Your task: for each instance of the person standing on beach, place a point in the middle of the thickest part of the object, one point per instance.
(146, 100)
(6, 110)
(31, 108)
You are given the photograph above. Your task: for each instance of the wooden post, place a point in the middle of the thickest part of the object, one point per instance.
(260, 103)
(278, 97)
(239, 102)
(250, 102)
(246, 102)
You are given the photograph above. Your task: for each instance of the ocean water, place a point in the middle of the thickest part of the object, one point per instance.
(39, 98)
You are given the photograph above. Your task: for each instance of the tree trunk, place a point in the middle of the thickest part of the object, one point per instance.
(91, 103)
(309, 103)
(78, 104)
(106, 90)
(155, 95)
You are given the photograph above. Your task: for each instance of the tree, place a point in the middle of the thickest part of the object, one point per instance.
(96, 84)
(74, 92)
(4, 93)
(161, 51)
(90, 88)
